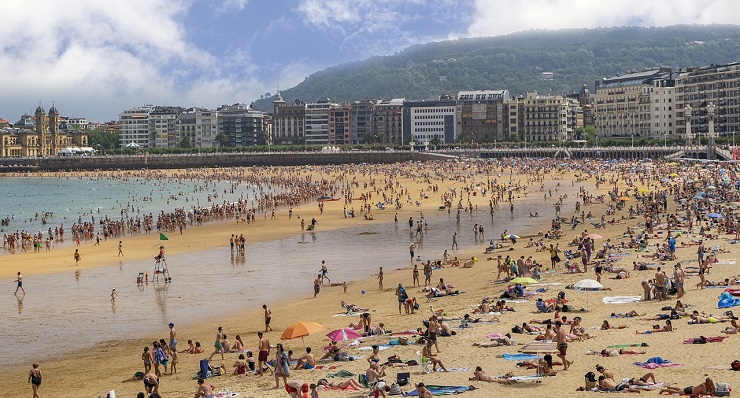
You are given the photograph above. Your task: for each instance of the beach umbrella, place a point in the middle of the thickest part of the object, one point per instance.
(301, 329)
(132, 145)
(539, 348)
(715, 215)
(624, 198)
(343, 335)
(587, 285)
(594, 236)
(523, 281)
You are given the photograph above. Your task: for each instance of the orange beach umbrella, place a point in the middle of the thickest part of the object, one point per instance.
(301, 329)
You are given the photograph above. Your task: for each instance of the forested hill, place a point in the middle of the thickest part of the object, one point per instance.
(516, 62)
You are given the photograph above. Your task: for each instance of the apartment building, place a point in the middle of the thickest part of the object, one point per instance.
(241, 125)
(134, 126)
(388, 123)
(362, 120)
(163, 126)
(317, 122)
(545, 118)
(480, 115)
(624, 103)
(430, 123)
(698, 87)
(340, 125)
(288, 122)
(198, 127)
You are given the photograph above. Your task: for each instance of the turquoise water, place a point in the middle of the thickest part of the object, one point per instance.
(71, 310)
(72, 200)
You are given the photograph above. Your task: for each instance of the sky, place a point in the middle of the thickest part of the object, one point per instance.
(94, 58)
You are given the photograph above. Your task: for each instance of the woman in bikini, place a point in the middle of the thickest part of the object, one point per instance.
(34, 377)
(342, 385)
(146, 356)
(238, 344)
(240, 366)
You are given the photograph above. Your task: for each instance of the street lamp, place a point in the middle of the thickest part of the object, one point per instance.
(632, 136)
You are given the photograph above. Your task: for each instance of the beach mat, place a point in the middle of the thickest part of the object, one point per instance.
(519, 357)
(621, 299)
(627, 345)
(440, 390)
(454, 370)
(697, 340)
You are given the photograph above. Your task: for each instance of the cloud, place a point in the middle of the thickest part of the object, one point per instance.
(231, 5)
(98, 58)
(496, 17)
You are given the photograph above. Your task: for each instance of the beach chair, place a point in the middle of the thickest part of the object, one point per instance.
(205, 371)
(423, 363)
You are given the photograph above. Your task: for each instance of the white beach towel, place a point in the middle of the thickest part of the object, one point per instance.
(621, 299)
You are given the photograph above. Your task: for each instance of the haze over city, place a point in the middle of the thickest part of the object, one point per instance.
(94, 59)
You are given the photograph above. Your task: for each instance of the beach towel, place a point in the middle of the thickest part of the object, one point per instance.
(324, 367)
(621, 299)
(528, 378)
(702, 340)
(519, 357)
(656, 362)
(454, 370)
(349, 388)
(516, 301)
(342, 373)
(495, 336)
(628, 345)
(348, 314)
(440, 390)
(726, 262)
(355, 357)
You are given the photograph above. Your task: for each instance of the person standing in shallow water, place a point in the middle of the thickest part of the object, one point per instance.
(20, 284)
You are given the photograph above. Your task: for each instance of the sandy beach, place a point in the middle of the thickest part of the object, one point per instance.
(101, 368)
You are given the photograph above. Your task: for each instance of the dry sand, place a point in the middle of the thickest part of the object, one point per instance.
(101, 368)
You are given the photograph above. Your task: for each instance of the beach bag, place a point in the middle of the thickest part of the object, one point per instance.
(416, 306)
(722, 390)
(517, 329)
(590, 380)
(735, 365)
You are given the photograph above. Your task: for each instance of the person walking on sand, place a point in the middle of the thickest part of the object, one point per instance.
(454, 241)
(19, 281)
(34, 377)
(218, 347)
(560, 339)
(411, 251)
(317, 285)
(113, 296)
(324, 272)
(120, 248)
(77, 256)
(380, 279)
(268, 317)
(173, 337)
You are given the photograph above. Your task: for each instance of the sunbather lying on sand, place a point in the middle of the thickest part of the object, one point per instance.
(480, 375)
(706, 388)
(344, 384)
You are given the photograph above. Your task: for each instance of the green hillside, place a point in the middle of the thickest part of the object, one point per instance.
(516, 62)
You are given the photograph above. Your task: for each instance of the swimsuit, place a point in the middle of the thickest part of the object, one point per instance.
(262, 356)
(267, 320)
(36, 380)
(688, 390)
(563, 348)
(308, 366)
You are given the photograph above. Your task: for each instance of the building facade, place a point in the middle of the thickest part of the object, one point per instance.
(623, 104)
(362, 120)
(317, 122)
(40, 135)
(480, 115)
(241, 125)
(163, 127)
(340, 125)
(198, 128)
(134, 126)
(545, 118)
(698, 87)
(430, 123)
(288, 122)
(388, 123)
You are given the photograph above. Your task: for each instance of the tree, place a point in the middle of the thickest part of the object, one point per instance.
(436, 142)
(185, 143)
(106, 139)
(222, 139)
(587, 133)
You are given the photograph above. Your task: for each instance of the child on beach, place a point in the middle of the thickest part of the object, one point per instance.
(146, 356)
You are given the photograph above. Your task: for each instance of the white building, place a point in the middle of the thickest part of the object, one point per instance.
(163, 126)
(317, 122)
(134, 126)
(198, 126)
(78, 123)
(430, 123)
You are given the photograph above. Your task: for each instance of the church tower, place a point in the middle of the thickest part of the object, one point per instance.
(41, 131)
(54, 130)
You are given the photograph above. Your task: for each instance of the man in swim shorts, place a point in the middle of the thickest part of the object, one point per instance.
(173, 337)
(151, 383)
(264, 352)
(706, 388)
(307, 361)
(268, 317)
(292, 387)
(560, 338)
(20, 284)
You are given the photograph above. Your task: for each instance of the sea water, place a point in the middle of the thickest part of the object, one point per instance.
(71, 310)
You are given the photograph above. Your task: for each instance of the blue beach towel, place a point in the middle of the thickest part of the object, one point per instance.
(726, 300)
(519, 357)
